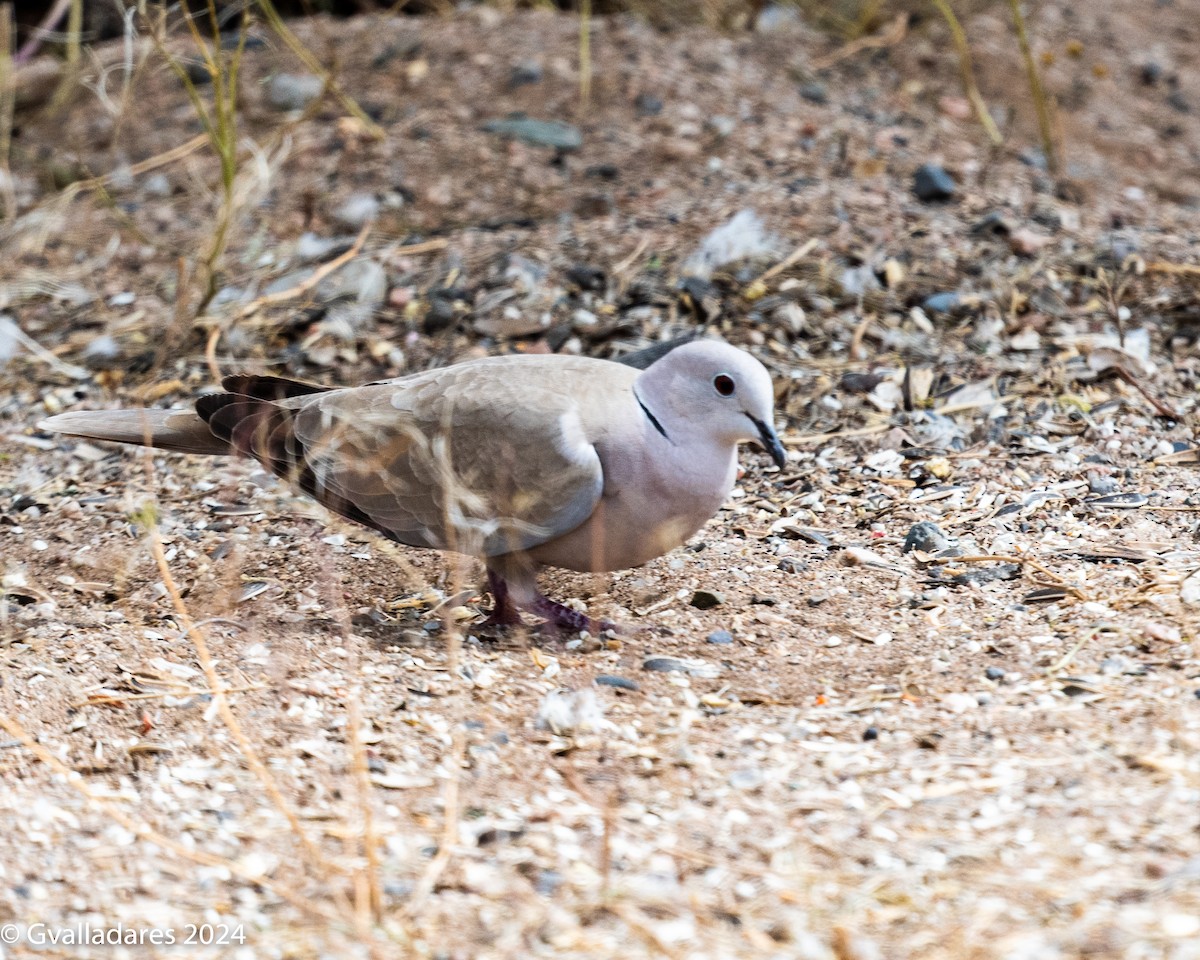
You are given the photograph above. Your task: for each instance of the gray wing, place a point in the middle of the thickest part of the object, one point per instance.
(465, 458)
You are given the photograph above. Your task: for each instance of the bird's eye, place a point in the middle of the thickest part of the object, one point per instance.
(723, 384)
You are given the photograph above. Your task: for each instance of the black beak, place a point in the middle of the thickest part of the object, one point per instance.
(770, 441)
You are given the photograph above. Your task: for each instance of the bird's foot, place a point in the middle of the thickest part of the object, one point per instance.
(564, 618)
(504, 612)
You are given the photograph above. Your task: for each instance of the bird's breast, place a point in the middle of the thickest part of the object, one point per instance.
(653, 501)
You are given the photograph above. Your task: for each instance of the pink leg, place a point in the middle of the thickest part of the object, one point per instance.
(504, 611)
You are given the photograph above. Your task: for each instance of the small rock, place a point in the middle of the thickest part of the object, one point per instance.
(746, 778)
(925, 536)
(537, 133)
(871, 733)
(647, 105)
(1027, 242)
(720, 637)
(1189, 590)
(524, 74)
(621, 683)
(1178, 102)
(1151, 73)
(293, 91)
(942, 303)
(157, 185)
(101, 349)
(792, 565)
(587, 277)
(707, 599)
(852, 382)
(817, 599)
(815, 93)
(356, 210)
(1102, 485)
(1001, 571)
(931, 182)
(694, 668)
(722, 126)
(994, 673)
(994, 224)
(777, 16)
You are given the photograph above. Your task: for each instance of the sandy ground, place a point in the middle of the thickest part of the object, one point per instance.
(988, 753)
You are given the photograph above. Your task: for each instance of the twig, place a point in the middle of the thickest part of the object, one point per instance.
(1129, 378)
(1179, 269)
(38, 33)
(309, 282)
(796, 255)
(895, 33)
(106, 699)
(836, 435)
(625, 264)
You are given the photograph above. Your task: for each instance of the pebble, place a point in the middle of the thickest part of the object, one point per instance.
(815, 93)
(941, 303)
(1001, 571)
(1178, 102)
(1102, 485)
(537, 133)
(694, 668)
(931, 182)
(524, 74)
(647, 105)
(927, 537)
(720, 637)
(621, 683)
(792, 565)
(747, 778)
(994, 673)
(293, 91)
(871, 733)
(157, 185)
(722, 126)
(357, 210)
(707, 599)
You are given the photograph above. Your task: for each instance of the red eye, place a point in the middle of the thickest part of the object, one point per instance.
(724, 385)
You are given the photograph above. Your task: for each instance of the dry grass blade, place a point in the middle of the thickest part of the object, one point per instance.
(313, 65)
(8, 94)
(967, 69)
(368, 898)
(1040, 102)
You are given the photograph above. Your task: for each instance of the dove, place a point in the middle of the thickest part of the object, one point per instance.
(523, 461)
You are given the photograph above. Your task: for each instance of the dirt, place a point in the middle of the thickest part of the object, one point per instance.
(988, 753)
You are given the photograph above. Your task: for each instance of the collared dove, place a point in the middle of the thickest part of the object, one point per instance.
(523, 461)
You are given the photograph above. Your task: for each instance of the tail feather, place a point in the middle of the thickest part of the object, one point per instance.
(179, 430)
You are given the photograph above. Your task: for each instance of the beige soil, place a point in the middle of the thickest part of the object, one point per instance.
(885, 762)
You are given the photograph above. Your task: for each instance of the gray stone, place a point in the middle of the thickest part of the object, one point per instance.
(293, 91)
(538, 133)
(932, 182)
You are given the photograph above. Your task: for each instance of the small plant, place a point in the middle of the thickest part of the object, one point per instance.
(218, 121)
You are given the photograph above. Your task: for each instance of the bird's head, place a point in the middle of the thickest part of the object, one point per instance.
(712, 386)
